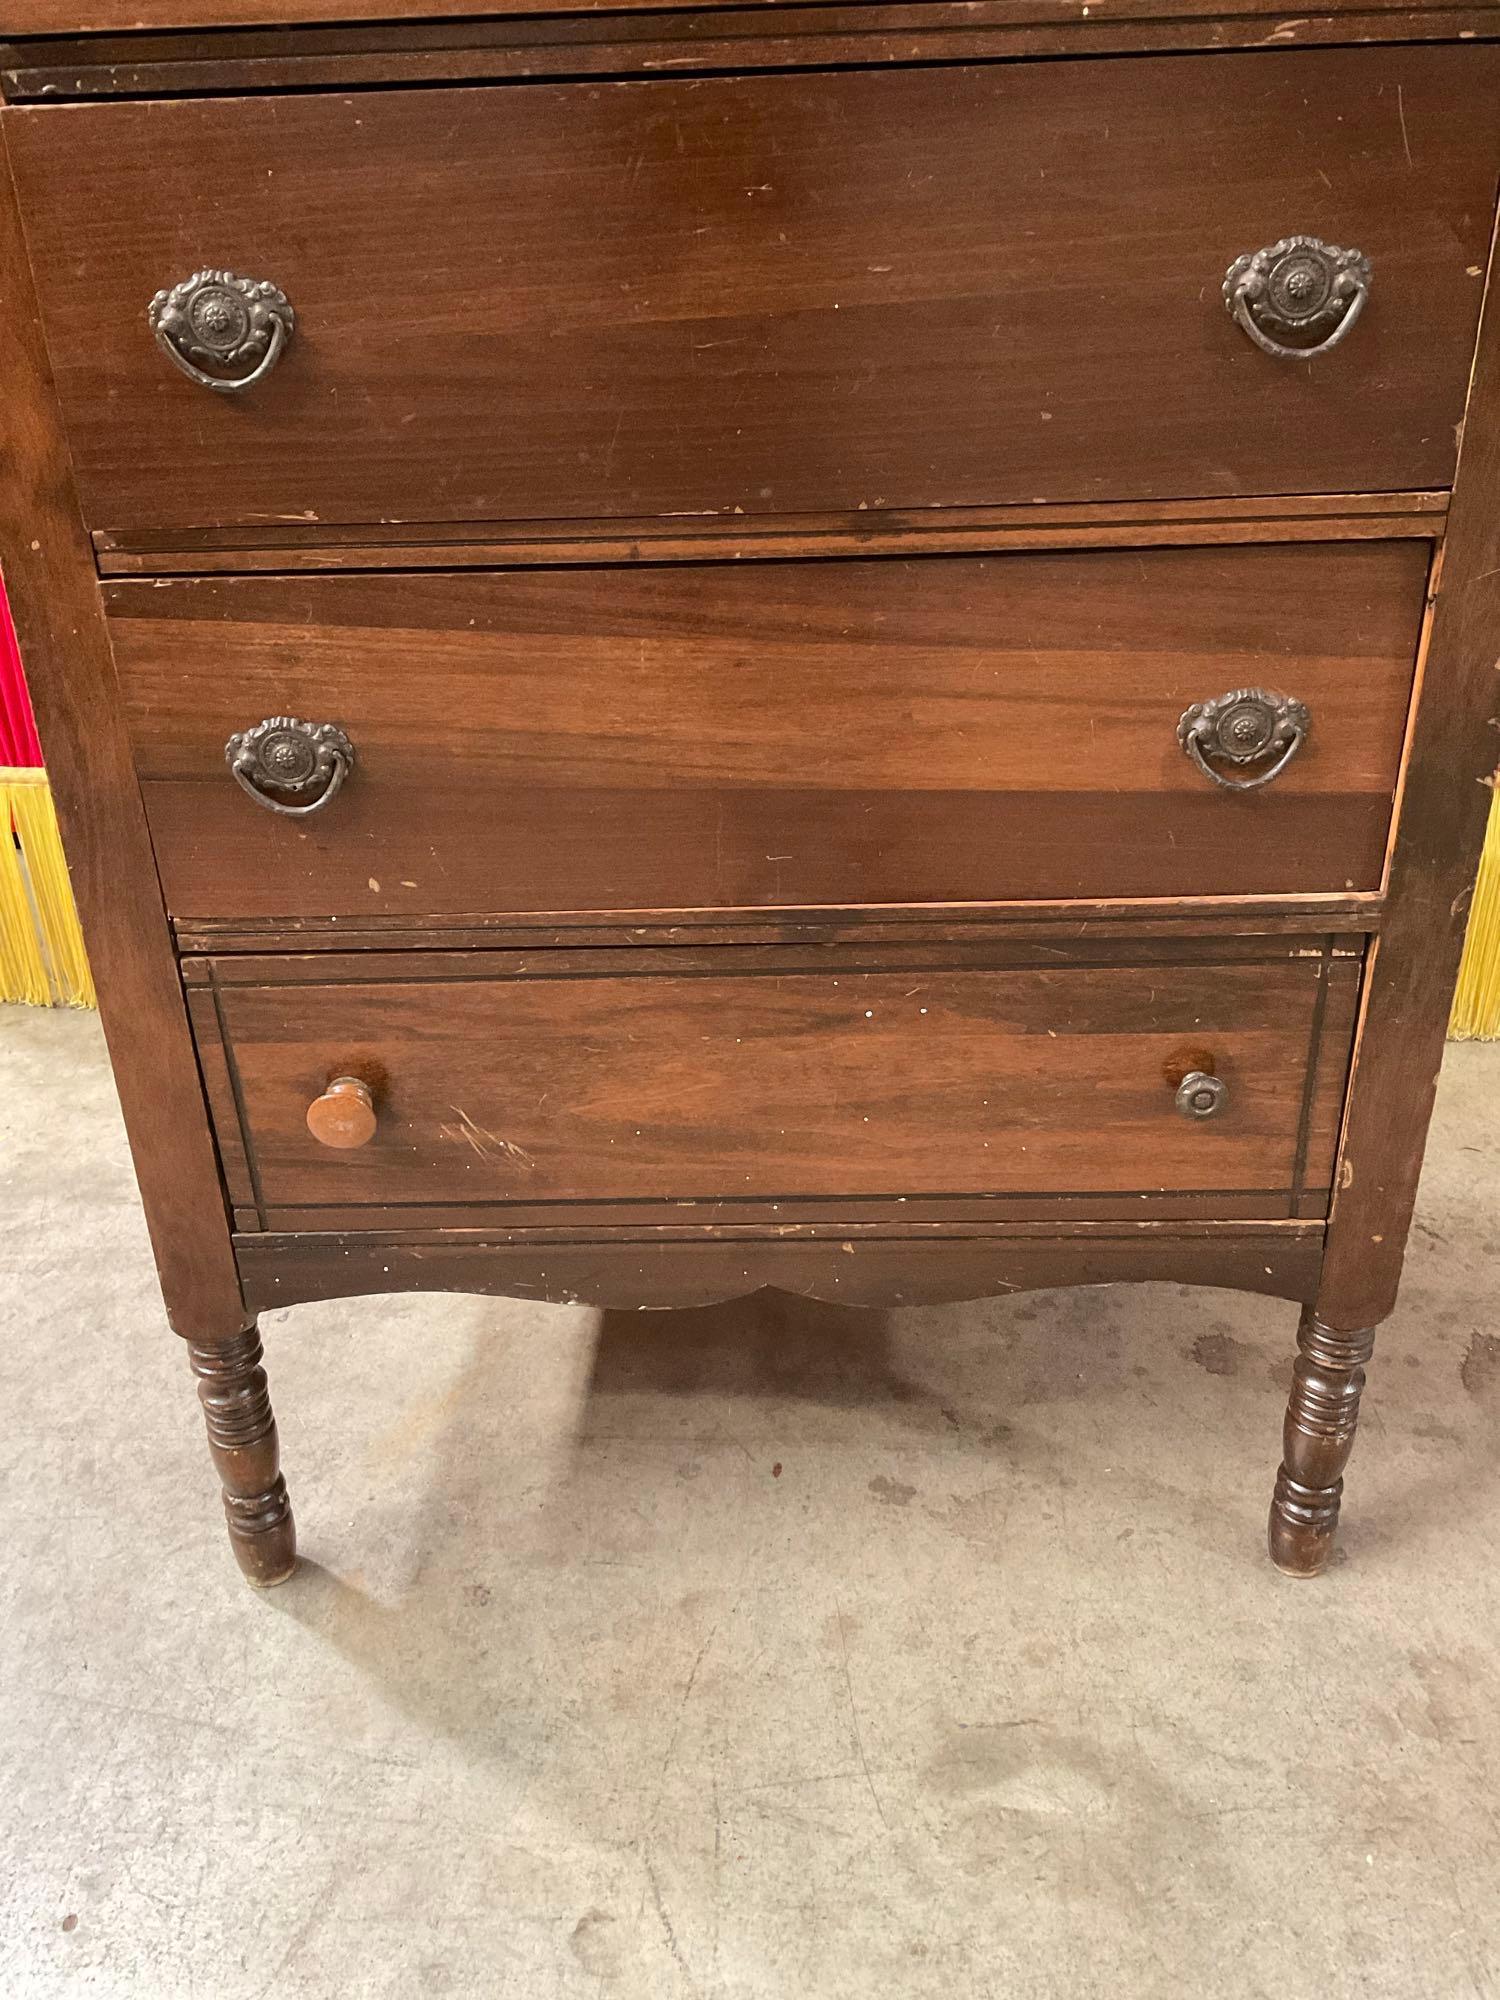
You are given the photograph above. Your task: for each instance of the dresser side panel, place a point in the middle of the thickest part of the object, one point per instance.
(59, 619)
(1444, 809)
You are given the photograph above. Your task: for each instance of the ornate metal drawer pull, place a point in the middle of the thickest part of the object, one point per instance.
(1242, 727)
(1200, 1095)
(227, 321)
(1295, 287)
(282, 754)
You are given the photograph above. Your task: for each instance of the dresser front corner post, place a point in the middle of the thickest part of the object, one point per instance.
(243, 1442)
(1328, 1379)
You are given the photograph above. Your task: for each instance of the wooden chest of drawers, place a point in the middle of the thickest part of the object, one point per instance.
(844, 648)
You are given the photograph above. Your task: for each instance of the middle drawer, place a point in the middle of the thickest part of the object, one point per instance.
(823, 734)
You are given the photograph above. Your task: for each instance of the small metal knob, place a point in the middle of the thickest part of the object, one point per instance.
(1200, 1095)
(1294, 288)
(344, 1116)
(285, 755)
(236, 325)
(1242, 727)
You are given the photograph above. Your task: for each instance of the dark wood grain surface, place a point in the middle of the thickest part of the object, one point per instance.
(872, 289)
(292, 546)
(1024, 948)
(679, 41)
(1169, 922)
(1096, 943)
(61, 17)
(559, 1088)
(50, 583)
(762, 1220)
(1452, 770)
(773, 735)
(761, 531)
(1280, 1260)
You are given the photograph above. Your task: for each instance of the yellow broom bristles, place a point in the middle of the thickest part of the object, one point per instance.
(1476, 1005)
(42, 959)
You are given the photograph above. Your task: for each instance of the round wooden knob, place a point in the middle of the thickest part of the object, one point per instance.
(344, 1116)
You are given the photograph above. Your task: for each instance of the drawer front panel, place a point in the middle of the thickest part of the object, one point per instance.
(769, 294)
(719, 1085)
(775, 734)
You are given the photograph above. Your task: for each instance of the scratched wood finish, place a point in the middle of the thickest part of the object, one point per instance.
(1450, 780)
(1338, 959)
(1446, 802)
(1280, 1260)
(50, 584)
(609, 1088)
(879, 288)
(1094, 944)
(70, 17)
(291, 546)
(872, 928)
(565, 1224)
(223, 61)
(533, 331)
(773, 735)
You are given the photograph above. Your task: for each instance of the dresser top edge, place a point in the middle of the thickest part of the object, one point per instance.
(72, 50)
(46, 18)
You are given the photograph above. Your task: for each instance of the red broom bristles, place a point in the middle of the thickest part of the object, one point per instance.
(42, 959)
(19, 747)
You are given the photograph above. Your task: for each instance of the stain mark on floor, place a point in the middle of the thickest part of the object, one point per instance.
(894, 1492)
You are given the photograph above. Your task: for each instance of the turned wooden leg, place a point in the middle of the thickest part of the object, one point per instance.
(242, 1437)
(1328, 1377)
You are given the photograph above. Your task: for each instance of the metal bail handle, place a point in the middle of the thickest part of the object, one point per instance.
(229, 322)
(1242, 727)
(1297, 287)
(285, 755)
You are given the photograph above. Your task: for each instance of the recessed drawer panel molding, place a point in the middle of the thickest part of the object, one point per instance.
(1145, 723)
(925, 287)
(451, 1082)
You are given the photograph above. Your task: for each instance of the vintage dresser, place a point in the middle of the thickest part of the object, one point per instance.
(839, 647)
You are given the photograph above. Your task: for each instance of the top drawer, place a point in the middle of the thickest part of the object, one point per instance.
(770, 294)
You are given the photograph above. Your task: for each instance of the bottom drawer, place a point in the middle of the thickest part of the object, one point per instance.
(779, 1083)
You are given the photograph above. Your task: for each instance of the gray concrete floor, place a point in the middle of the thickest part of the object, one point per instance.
(774, 1650)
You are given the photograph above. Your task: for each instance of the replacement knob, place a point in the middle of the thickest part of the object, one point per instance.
(1200, 1095)
(344, 1116)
